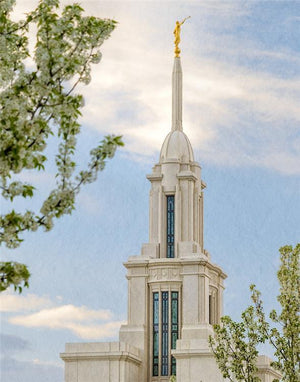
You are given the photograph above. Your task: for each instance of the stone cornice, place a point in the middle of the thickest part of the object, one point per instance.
(154, 177)
(191, 353)
(187, 175)
(201, 260)
(109, 356)
(136, 263)
(268, 370)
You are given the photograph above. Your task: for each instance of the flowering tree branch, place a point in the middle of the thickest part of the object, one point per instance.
(40, 102)
(235, 343)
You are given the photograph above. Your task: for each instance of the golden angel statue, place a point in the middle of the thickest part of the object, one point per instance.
(176, 32)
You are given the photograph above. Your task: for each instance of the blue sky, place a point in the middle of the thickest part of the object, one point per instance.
(241, 112)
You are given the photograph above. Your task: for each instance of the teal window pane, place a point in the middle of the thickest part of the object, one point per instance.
(165, 334)
(155, 308)
(174, 328)
(155, 333)
(174, 311)
(170, 225)
(173, 366)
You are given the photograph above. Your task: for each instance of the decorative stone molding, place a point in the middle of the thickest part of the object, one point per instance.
(187, 175)
(157, 274)
(154, 177)
(112, 356)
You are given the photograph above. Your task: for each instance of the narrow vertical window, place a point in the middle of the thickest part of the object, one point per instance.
(170, 225)
(174, 328)
(155, 333)
(165, 334)
(210, 309)
(213, 307)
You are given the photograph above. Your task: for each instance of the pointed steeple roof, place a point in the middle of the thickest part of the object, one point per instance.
(177, 95)
(176, 145)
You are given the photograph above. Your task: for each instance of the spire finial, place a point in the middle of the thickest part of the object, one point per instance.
(176, 32)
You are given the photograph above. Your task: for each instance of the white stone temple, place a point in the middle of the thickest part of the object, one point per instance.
(175, 292)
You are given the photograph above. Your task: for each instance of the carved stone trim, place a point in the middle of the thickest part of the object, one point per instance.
(160, 274)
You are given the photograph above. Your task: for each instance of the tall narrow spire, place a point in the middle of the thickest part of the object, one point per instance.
(177, 81)
(177, 95)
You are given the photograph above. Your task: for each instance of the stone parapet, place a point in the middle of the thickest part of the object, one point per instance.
(102, 362)
(266, 372)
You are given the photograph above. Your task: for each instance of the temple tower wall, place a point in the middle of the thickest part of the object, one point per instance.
(175, 292)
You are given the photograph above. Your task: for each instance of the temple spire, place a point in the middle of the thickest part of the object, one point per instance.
(177, 81)
(177, 95)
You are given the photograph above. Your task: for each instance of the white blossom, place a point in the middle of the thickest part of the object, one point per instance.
(39, 102)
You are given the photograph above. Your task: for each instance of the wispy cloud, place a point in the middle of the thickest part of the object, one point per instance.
(37, 361)
(235, 115)
(54, 317)
(225, 107)
(32, 370)
(10, 302)
(82, 321)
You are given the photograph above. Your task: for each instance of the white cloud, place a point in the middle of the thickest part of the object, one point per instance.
(37, 361)
(286, 163)
(10, 302)
(84, 322)
(224, 108)
(100, 331)
(234, 115)
(54, 317)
